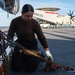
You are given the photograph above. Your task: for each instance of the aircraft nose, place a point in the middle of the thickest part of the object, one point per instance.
(16, 7)
(15, 10)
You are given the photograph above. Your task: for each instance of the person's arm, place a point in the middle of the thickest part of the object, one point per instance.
(12, 29)
(43, 41)
(40, 35)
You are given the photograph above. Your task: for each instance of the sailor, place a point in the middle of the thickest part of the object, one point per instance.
(25, 28)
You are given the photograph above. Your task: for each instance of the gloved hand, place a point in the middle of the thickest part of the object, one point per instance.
(49, 55)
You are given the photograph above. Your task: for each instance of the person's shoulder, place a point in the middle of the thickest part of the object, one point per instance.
(34, 21)
(17, 18)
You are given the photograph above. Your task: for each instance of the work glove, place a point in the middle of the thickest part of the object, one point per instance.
(49, 55)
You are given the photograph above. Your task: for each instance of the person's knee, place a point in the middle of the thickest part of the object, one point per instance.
(30, 70)
(15, 69)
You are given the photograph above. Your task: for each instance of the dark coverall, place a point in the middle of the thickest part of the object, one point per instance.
(26, 36)
(19, 59)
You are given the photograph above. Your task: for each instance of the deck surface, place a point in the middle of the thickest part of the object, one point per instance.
(61, 42)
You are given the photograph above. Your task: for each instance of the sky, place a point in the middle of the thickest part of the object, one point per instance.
(64, 5)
